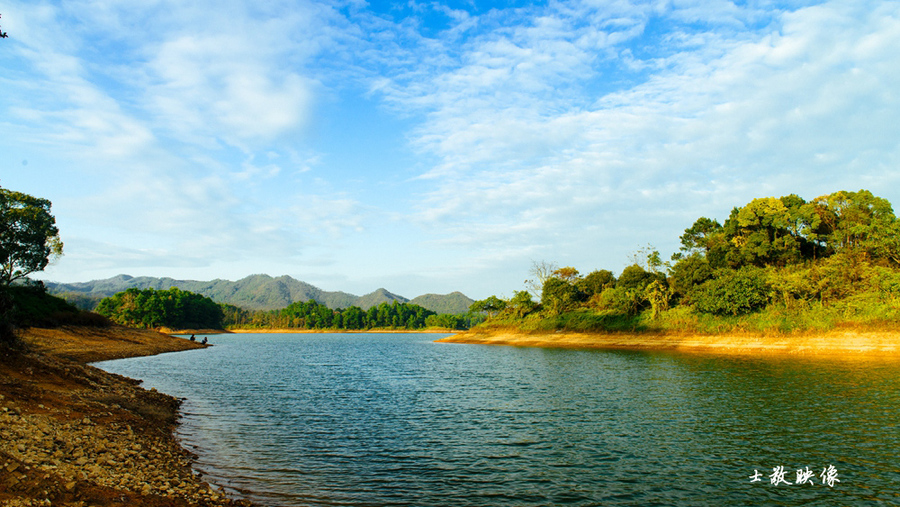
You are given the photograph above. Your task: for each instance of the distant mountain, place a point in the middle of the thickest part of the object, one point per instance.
(378, 297)
(453, 303)
(255, 292)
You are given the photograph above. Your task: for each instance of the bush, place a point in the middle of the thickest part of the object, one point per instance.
(559, 296)
(624, 300)
(7, 318)
(733, 292)
(689, 273)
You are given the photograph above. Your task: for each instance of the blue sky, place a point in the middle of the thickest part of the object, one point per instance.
(430, 147)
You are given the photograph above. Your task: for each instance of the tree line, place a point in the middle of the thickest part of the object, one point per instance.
(840, 251)
(151, 308)
(314, 315)
(180, 309)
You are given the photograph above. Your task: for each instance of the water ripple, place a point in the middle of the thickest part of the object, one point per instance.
(382, 420)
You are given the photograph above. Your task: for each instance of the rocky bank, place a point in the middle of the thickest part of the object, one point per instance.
(74, 435)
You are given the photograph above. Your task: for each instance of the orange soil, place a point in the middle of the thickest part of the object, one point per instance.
(844, 343)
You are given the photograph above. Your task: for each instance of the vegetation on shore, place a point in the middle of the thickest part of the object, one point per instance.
(150, 308)
(314, 315)
(776, 265)
(179, 309)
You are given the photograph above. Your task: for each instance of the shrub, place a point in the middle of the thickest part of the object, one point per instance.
(625, 300)
(733, 292)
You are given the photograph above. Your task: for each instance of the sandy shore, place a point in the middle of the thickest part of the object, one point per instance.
(74, 435)
(843, 343)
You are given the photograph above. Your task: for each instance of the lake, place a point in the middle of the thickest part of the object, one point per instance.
(398, 420)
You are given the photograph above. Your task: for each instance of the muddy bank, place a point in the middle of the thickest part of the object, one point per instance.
(72, 434)
(844, 343)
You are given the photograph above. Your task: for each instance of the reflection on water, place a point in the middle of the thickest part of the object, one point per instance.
(366, 420)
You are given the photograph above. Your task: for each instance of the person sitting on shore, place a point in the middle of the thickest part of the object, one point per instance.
(192, 338)
(204, 341)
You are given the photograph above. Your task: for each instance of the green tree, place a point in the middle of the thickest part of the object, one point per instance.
(522, 304)
(701, 237)
(596, 281)
(658, 294)
(492, 306)
(173, 308)
(560, 296)
(688, 273)
(765, 232)
(734, 292)
(28, 235)
(636, 277)
(857, 222)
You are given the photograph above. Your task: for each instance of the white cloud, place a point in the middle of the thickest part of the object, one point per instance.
(217, 87)
(729, 115)
(573, 129)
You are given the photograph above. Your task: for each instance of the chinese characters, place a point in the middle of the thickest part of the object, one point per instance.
(804, 476)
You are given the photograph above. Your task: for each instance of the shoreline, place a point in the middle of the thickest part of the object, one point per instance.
(73, 434)
(831, 343)
(337, 331)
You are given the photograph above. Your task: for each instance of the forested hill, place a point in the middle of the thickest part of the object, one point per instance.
(453, 303)
(255, 292)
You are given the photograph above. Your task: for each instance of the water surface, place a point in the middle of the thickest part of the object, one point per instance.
(393, 419)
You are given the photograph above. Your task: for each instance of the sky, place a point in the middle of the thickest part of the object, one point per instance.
(430, 147)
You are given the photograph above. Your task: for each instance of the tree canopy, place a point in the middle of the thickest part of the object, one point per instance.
(29, 237)
(150, 308)
(838, 253)
(314, 315)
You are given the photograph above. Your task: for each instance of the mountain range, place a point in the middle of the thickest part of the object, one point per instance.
(255, 292)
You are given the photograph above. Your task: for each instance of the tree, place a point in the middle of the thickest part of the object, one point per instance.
(491, 305)
(559, 296)
(28, 235)
(150, 308)
(688, 273)
(700, 237)
(522, 304)
(3, 34)
(540, 272)
(763, 233)
(636, 277)
(734, 292)
(568, 274)
(857, 222)
(658, 294)
(596, 281)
